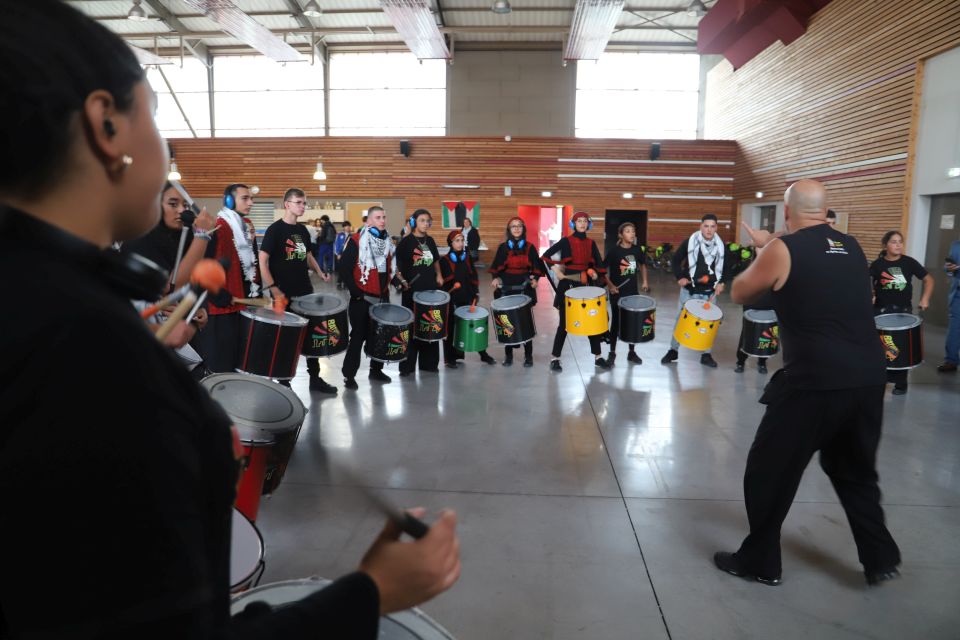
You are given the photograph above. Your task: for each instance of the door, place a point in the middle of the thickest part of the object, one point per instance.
(616, 217)
(768, 217)
(944, 212)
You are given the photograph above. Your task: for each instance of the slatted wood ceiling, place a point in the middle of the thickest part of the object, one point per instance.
(844, 93)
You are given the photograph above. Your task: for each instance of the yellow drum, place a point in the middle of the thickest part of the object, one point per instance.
(698, 324)
(586, 311)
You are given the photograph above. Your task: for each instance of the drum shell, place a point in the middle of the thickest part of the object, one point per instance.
(636, 325)
(471, 335)
(513, 324)
(696, 330)
(270, 347)
(250, 487)
(327, 333)
(902, 347)
(760, 338)
(388, 342)
(430, 319)
(246, 554)
(586, 311)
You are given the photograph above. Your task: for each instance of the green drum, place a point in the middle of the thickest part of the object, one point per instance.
(470, 334)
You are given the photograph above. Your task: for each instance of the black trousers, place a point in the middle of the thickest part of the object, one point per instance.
(615, 322)
(359, 312)
(219, 343)
(844, 426)
(427, 352)
(561, 336)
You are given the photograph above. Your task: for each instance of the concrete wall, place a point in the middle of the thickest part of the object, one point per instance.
(520, 93)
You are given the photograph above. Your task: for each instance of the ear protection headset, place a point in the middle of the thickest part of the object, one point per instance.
(378, 233)
(229, 201)
(516, 244)
(573, 224)
(457, 257)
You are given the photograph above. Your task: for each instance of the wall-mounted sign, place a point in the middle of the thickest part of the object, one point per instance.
(947, 221)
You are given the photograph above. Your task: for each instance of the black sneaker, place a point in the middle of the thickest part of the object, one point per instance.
(528, 361)
(762, 367)
(670, 356)
(508, 359)
(875, 578)
(451, 365)
(634, 358)
(379, 376)
(319, 384)
(899, 391)
(708, 361)
(728, 562)
(555, 365)
(611, 357)
(486, 358)
(601, 363)
(350, 383)
(739, 367)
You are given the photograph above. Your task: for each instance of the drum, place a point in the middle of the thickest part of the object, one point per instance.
(389, 333)
(270, 342)
(638, 315)
(411, 624)
(431, 310)
(246, 554)
(698, 324)
(761, 333)
(586, 311)
(901, 335)
(513, 319)
(268, 417)
(470, 330)
(327, 327)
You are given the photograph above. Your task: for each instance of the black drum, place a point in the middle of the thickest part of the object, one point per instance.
(270, 343)
(513, 319)
(901, 335)
(761, 333)
(431, 312)
(638, 315)
(327, 328)
(389, 333)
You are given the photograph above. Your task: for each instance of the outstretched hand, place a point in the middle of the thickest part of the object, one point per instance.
(760, 237)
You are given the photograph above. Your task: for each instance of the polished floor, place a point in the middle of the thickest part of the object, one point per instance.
(590, 502)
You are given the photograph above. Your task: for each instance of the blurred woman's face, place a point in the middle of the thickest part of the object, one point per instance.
(172, 205)
(894, 245)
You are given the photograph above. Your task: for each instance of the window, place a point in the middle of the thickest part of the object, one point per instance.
(376, 94)
(190, 85)
(255, 96)
(638, 95)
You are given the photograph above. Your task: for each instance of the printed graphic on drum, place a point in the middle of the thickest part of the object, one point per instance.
(638, 317)
(698, 324)
(389, 334)
(267, 417)
(411, 624)
(513, 319)
(761, 333)
(327, 324)
(586, 311)
(470, 329)
(431, 311)
(270, 342)
(246, 554)
(901, 335)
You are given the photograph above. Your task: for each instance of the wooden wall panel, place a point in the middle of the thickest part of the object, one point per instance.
(836, 105)
(373, 168)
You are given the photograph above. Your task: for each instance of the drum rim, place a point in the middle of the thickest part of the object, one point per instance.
(601, 292)
(917, 321)
(713, 305)
(392, 323)
(298, 321)
(341, 305)
(493, 305)
(750, 312)
(638, 295)
(476, 310)
(298, 415)
(445, 297)
(256, 567)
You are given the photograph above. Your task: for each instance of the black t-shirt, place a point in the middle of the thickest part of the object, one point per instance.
(623, 268)
(826, 319)
(416, 258)
(892, 281)
(288, 246)
(159, 245)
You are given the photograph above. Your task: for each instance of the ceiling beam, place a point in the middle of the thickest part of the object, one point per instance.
(196, 48)
(319, 50)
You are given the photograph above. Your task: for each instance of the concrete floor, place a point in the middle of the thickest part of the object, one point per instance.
(590, 503)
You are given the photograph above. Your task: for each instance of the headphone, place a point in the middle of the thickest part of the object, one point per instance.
(516, 244)
(378, 233)
(229, 201)
(457, 257)
(573, 224)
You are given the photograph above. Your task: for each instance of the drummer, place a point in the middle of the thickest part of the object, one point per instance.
(457, 269)
(623, 262)
(515, 269)
(418, 269)
(764, 304)
(698, 268)
(581, 262)
(892, 275)
(286, 256)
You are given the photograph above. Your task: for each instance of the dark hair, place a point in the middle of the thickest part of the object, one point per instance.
(709, 216)
(166, 185)
(231, 189)
(53, 58)
(421, 212)
(886, 238)
(833, 214)
(374, 208)
(289, 193)
(624, 226)
(346, 223)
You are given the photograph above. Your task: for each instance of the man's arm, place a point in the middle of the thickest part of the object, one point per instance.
(769, 271)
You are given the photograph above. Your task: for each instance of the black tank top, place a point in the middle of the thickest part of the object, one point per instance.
(829, 337)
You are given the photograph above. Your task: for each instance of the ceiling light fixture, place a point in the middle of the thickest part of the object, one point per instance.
(628, 195)
(953, 172)
(312, 9)
(174, 174)
(501, 6)
(416, 25)
(319, 174)
(460, 186)
(546, 194)
(759, 194)
(136, 13)
(593, 24)
(696, 9)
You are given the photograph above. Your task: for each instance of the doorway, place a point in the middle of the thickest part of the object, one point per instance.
(943, 229)
(615, 218)
(543, 224)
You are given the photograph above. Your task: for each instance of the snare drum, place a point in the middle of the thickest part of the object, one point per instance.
(698, 324)
(246, 554)
(638, 316)
(389, 333)
(268, 417)
(270, 342)
(411, 624)
(431, 310)
(901, 335)
(327, 327)
(513, 319)
(761, 333)
(586, 311)
(470, 333)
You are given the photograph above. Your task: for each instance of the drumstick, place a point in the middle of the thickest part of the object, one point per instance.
(254, 302)
(196, 307)
(176, 264)
(172, 298)
(207, 274)
(178, 314)
(473, 305)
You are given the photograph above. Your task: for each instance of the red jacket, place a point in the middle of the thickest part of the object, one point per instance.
(223, 247)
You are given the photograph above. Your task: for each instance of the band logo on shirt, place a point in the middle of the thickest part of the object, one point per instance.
(628, 266)
(893, 279)
(295, 248)
(835, 246)
(422, 257)
(326, 334)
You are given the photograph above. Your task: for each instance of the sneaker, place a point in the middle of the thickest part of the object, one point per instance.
(451, 365)
(670, 356)
(947, 367)
(728, 562)
(762, 367)
(487, 359)
(508, 359)
(378, 376)
(528, 361)
(611, 357)
(708, 361)
(350, 383)
(875, 578)
(555, 365)
(634, 358)
(601, 363)
(319, 384)
(899, 391)
(739, 368)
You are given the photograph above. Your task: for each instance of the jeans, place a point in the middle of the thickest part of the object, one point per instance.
(325, 256)
(952, 353)
(684, 296)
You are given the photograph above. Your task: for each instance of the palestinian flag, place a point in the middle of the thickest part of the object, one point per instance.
(453, 219)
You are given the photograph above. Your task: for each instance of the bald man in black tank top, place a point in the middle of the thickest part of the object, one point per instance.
(827, 398)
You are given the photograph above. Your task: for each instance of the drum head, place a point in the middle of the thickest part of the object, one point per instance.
(897, 321)
(260, 314)
(318, 304)
(585, 293)
(246, 549)
(393, 314)
(704, 310)
(638, 303)
(479, 313)
(760, 316)
(506, 303)
(255, 404)
(432, 297)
